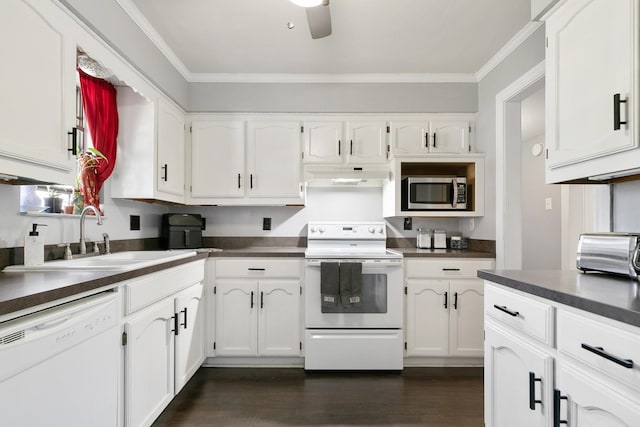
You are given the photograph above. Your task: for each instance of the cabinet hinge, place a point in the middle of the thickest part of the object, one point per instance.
(469, 128)
(405, 345)
(214, 290)
(388, 129)
(300, 290)
(546, 41)
(124, 338)
(300, 345)
(546, 153)
(190, 128)
(191, 189)
(214, 345)
(405, 290)
(301, 129)
(302, 155)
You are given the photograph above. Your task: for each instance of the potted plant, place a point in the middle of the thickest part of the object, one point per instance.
(89, 160)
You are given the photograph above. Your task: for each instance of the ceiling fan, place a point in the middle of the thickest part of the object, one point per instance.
(318, 17)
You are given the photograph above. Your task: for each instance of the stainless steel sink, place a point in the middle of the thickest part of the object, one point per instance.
(119, 261)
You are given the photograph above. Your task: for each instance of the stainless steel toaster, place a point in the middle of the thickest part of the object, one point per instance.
(615, 253)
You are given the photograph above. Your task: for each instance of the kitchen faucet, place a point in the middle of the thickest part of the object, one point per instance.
(83, 246)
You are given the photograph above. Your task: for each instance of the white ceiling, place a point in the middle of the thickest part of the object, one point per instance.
(204, 38)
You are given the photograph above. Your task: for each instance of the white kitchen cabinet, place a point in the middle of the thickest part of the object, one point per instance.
(151, 149)
(257, 307)
(253, 162)
(517, 376)
(324, 142)
(38, 87)
(418, 138)
(367, 142)
(444, 308)
(592, 55)
(163, 338)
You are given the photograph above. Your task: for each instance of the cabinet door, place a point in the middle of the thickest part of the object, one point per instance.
(189, 306)
(466, 321)
(149, 363)
(409, 138)
(236, 318)
(428, 317)
(508, 364)
(217, 159)
(591, 56)
(367, 142)
(274, 159)
(592, 403)
(38, 89)
(171, 149)
(323, 142)
(449, 136)
(279, 320)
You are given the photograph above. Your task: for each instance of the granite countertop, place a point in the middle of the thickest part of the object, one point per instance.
(617, 298)
(23, 290)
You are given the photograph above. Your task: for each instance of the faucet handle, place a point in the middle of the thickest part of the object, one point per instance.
(107, 246)
(67, 251)
(96, 248)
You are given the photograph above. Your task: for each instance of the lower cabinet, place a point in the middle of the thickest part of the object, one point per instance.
(164, 346)
(257, 318)
(444, 308)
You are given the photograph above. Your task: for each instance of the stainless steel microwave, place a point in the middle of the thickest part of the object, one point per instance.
(434, 192)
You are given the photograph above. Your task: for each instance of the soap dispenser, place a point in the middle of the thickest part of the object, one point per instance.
(34, 247)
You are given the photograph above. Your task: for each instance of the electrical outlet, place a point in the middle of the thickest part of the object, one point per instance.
(266, 224)
(548, 204)
(408, 223)
(134, 222)
(472, 224)
(204, 224)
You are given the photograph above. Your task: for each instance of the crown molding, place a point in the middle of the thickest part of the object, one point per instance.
(507, 49)
(138, 18)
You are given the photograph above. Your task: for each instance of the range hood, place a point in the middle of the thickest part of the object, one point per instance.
(342, 175)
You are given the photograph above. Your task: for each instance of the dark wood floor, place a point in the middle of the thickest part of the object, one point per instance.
(293, 397)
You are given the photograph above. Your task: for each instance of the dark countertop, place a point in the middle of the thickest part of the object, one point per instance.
(22, 290)
(610, 296)
(442, 253)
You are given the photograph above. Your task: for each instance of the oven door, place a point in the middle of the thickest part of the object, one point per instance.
(381, 297)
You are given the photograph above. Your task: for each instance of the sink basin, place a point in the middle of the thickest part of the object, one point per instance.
(119, 261)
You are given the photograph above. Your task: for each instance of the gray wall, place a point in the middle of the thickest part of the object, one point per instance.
(113, 24)
(334, 97)
(525, 57)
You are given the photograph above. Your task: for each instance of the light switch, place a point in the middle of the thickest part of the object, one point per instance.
(548, 205)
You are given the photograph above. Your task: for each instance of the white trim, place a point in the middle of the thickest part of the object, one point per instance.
(138, 18)
(507, 49)
(328, 78)
(502, 98)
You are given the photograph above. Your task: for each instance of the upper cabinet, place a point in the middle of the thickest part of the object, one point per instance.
(151, 146)
(38, 87)
(257, 162)
(355, 142)
(592, 90)
(415, 138)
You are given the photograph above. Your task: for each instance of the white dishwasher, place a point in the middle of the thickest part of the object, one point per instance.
(60, 366)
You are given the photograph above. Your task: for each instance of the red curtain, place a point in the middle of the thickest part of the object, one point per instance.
(101, 113)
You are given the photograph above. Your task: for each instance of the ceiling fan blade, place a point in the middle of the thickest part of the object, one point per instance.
(319, 19)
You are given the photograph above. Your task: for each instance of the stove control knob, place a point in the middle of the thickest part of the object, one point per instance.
(372, 229)
(380, 230)
(313, 229)
(321, 229)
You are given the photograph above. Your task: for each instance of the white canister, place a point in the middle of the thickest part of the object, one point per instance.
(423, 239)
(439, 239)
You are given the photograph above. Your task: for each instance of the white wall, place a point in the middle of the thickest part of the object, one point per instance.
(67, 229)
(626, 207)
(525, 57)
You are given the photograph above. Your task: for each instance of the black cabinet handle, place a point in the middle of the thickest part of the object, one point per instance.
(238, 180)
(450, 269)
(256, 269)
(261, 299)
(434, 140)
(446, 297)
(455, 301)
(251, 181)
(251, 299)
(504, 309)
(175, 324)
(185, 318)
(557, 398)
(74, 141)
(426, 139)
(616, 111)
(339, 147)
(627, 363)
(351, 148)
(165, 168)
(532, 391)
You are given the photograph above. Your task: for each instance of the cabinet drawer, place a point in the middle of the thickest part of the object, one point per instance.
(609, 349)
(154, 287)
(447, 268)
(258, 267)
(531, 317)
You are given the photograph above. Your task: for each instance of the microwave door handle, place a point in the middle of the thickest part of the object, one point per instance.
(455, 193)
